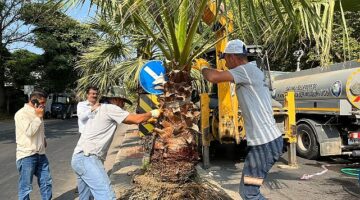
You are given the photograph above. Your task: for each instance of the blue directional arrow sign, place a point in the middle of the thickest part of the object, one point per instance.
(151, 71)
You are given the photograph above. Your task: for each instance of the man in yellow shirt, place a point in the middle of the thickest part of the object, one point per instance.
(30, 151)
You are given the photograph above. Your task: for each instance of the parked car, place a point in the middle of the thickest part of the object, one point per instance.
(60, 105)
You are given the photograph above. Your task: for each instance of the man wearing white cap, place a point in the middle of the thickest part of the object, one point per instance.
(93, 145)
(264, 139)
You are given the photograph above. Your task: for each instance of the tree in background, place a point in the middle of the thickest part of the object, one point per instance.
(337, 52)
(283, 27)
(344, 47)
(62, 39)
(22, 68)
(12, 30)
(45, 26)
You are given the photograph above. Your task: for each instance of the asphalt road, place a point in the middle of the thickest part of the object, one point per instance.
(62, 136)
(226, 170)
(285, 184)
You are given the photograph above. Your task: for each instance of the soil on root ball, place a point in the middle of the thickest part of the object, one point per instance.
(148, 188)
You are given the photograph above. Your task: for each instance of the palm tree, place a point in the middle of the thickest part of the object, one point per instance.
(279, 24)
(174, 30)
(274, 24)
(112, 57)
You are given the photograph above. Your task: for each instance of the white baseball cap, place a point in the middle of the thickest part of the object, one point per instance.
(235, 47)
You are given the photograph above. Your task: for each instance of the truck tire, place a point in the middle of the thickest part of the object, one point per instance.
(307, 145)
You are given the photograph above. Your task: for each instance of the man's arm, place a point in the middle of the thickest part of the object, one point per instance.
(137, 118)
(122, 116)
(83, 111)
(212, 75)
(29, 127)
(216, 76)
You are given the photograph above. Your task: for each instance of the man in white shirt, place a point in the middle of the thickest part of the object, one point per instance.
(84, 108)
(264, 139)
(93, 145)
(30, 147)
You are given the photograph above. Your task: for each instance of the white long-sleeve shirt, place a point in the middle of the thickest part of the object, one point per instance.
(83, 114)
(30, 133)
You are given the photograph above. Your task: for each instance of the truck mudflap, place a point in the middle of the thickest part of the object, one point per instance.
(328, 137)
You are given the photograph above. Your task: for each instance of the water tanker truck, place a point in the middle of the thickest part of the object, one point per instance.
(327, 108)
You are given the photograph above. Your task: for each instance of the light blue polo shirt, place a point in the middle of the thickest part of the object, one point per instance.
(255, 103)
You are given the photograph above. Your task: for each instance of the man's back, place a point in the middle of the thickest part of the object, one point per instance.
(255, 103)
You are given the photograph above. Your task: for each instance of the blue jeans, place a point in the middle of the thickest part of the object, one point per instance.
(37, 165)
(92, 178)
(258, 163)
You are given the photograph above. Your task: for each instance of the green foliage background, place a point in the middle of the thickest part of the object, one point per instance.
(62, 39)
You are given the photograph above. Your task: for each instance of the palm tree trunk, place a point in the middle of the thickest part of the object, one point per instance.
(175, 154)
(172, 171)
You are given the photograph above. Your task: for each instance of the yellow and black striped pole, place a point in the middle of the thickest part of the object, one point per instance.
(147, 102)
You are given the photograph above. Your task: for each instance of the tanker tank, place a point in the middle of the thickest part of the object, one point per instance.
(329, 88)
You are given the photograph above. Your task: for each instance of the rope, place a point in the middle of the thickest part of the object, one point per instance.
(308, 176)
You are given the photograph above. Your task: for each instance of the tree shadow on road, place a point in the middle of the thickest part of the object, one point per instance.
(61, 128)
(53, 129)
(350, 186)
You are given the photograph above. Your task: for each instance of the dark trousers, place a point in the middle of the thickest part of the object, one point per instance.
(258, 163)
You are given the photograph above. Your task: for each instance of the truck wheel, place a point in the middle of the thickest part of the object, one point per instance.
(307, 145)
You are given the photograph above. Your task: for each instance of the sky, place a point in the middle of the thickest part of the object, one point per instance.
(82, 13)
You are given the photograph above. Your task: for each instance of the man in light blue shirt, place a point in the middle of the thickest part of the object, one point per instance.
(264, 139)
(84, 108)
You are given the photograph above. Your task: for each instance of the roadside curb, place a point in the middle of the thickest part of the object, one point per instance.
(128, 159)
